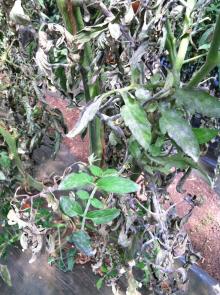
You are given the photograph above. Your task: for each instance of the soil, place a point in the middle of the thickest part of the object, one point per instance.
(203, 226)
(78, 147)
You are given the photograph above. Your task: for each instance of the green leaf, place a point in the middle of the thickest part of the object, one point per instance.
(103, 216)
(5, 161)
(181, 132)
(136, 120)
(134, 148)
(91, 32)
(96, 171)
(71, 259)
(177, 161)
(99, 283)
(82, 242)
(204, 135)
(70, 207)
(74, 180)
(198, 101)
(5, 274)
(116, 184)
(83, 195)
(97, 204)
(110, 172)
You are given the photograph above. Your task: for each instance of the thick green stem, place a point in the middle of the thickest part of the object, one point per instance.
(185, 40)
(74, 18)
(212, 58)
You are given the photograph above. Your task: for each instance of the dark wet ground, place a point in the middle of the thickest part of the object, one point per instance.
(39, 278)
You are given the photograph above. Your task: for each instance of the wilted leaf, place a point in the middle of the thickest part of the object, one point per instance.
(87, 115)
(114, 30)
(204, 135)
(116, 184)
(82, 242)
(103, 216)
(74, 180)
(198, 101)
(17, 14)
(2, 176)
(137, 55)
(136, 119)
(70, 207)
(5, 274)
(129, 15)
(181, 132)
(142, 94)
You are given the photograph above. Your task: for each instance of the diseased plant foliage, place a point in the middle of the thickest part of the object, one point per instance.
(126, 62)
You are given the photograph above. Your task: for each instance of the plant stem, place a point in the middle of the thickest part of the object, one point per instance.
(212, 58)
(12, 148)
(194, 58)
(87, 207)
(74, 22)
(185, 40)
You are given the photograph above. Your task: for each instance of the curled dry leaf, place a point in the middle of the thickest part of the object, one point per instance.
(17, 14)
(114, 30)
(87, 115)
(14, 218)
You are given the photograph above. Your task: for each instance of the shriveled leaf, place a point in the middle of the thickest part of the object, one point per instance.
(129, 15)
(97, 204)
(87, 115)
(181, 132)
(82, 242)
(2, 176)
(114, 30)
(95, 170)
(136, 119)
(195, 100)
(70, 207)
(204, 135)
(137, 55)
(103, 216)
(116, 184)
(74, 180)
(83, 195)
(18, 16)
(5, 274)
